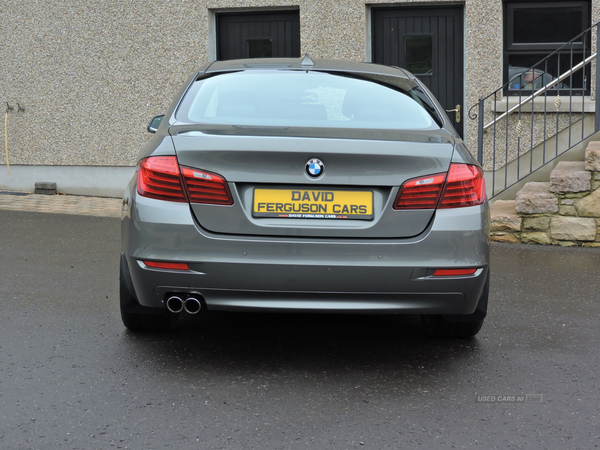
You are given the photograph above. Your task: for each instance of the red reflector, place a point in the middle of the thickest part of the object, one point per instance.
(206, 187)
(465, 187)
(167, 265)
(420, 193)
(158, 177)
(453, 272)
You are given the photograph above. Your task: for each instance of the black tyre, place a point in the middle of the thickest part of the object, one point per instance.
(459, 326)
(149, 322)
(439, 326)
(139, 318)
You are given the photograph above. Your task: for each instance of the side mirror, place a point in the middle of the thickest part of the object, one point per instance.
(155, 123)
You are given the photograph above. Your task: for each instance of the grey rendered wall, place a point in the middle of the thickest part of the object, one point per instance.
(91, 73)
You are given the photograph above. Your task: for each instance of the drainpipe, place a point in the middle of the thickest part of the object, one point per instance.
(480, 134)
(597, 93)
(8, 108)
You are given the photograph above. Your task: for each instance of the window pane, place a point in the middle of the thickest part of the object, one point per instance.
(260, 48)
(419, 54)
(547, 25)
(309, 100)
(520, 76)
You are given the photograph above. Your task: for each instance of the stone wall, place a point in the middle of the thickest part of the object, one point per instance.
(564, 211)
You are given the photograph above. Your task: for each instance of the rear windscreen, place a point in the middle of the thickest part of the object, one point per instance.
(307, 99)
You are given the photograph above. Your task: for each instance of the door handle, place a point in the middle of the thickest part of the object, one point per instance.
(457, 111)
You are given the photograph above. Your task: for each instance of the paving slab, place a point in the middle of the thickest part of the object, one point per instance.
(61, 204)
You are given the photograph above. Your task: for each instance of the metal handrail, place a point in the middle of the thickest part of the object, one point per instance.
(509, 142)
(550, 85)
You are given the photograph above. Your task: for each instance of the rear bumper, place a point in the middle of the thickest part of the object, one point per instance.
(246, 273)
(325, 302)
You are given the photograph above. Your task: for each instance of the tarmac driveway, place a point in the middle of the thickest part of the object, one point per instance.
(71, 376)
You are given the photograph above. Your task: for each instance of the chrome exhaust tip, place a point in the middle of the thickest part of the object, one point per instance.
(175, 304)
(192, 305)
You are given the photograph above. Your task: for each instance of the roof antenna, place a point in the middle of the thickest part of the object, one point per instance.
(307, 61)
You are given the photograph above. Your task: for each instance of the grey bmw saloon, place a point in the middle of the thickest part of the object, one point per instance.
(301, 185)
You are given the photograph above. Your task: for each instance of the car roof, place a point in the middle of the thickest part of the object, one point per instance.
(305, 63)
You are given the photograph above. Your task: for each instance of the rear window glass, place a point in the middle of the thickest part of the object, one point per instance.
(306, 99)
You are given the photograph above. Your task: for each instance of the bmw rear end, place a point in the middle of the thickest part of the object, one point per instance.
(306, 186)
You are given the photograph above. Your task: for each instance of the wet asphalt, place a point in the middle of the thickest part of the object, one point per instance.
(72, 377)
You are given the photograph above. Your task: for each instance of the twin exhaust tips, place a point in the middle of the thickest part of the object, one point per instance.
(190, 305)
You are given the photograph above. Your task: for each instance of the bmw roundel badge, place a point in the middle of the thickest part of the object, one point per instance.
(315, 168)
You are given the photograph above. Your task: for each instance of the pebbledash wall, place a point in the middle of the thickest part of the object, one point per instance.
(83, 78)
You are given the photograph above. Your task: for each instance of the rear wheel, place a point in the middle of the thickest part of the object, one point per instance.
(459, 326)
(139, 318)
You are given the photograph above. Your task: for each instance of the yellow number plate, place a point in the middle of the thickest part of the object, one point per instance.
(313, 204)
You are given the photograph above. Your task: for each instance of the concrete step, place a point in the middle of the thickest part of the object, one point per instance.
(592, 156)
(570, 176)
(504, 221)
(503, 216)
(536, 198)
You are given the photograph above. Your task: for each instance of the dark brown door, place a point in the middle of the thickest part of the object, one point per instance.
(428, 42)
(258, 35)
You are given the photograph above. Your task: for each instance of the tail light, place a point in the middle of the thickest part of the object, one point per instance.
(158, 177)
(463, 186)
(420, 193)
(206, 187)
(161, 177)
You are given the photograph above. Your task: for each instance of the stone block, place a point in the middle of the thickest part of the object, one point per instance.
(536, 223)
(573, 228)
(570, 176)
(45, 188)
(536, 237)
(504, 217)
(566, 210)
(589, 206)
(575, 195)
(504, 238)
(535, 198)
(567, 244)
(592, 157)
